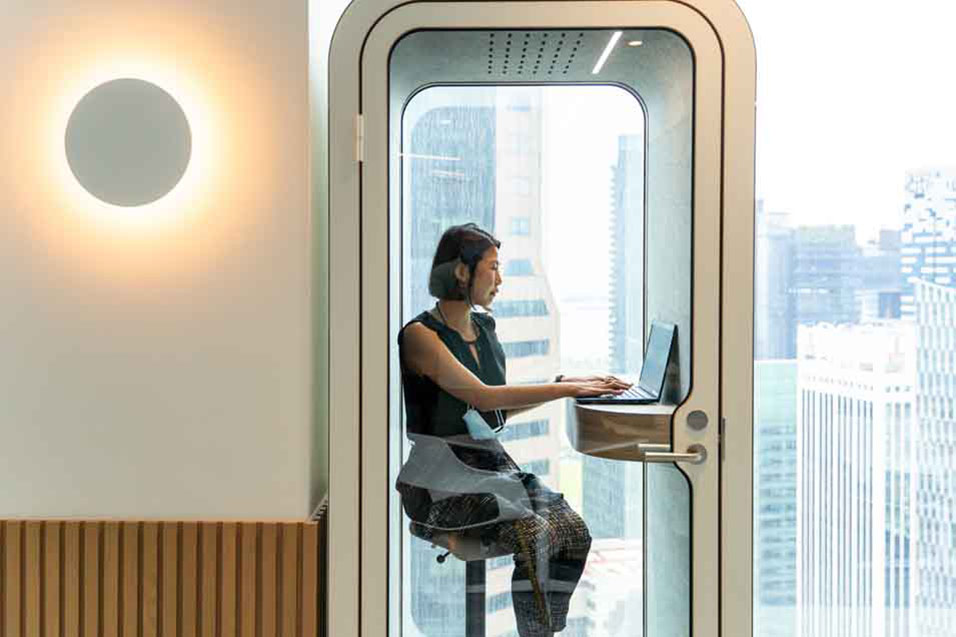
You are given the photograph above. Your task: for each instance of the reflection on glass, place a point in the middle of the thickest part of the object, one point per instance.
(529, 164)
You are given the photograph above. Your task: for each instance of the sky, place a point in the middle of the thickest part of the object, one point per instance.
(850, 96)
(581, 130)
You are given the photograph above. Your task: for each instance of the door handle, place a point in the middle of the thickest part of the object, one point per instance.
(695, 454)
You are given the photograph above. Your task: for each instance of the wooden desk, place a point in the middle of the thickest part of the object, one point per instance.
(614, 431)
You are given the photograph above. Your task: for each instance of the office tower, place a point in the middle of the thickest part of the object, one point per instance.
(856, 414)
(879, 296)
(775, 488)
(928, 241)
(627, 256)
(934, 556)
(827, 275)
(774, 311)
(612, 500)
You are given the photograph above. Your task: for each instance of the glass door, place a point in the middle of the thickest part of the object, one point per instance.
(592, 153)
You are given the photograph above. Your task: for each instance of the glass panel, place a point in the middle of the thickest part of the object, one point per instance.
(855, 467)
(557, 173)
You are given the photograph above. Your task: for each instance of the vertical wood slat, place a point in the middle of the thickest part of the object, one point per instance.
(288, 582)
(188, 579)
(51, 578)
(267, 581)
(111, 579)
(247, 580)
(71, 579)
(129, 580)
(91, 578)
(11, 576)
(310, 580)
(32, 578)
(170, 573)
(209, 574)
(159, 579)
(149, 580)
(228, 579)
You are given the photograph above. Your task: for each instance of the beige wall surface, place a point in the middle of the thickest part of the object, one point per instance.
(156, 362)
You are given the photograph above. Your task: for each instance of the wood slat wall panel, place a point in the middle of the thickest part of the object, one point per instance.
(160, 579)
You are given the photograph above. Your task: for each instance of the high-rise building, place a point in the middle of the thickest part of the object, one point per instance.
(774, 313)
(856, 389)
(879, 296)
(612, 502)
(827, 275)
(626, 291)
(928, 240)
(775, 486)
(934, 481)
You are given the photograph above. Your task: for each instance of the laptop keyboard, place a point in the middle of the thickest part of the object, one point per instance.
(632, 392)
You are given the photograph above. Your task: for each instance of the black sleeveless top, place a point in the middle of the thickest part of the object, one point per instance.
(429, 409)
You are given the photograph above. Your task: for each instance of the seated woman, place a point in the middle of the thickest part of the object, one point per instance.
(459, 481)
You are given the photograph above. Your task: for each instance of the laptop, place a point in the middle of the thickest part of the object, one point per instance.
(648, 389)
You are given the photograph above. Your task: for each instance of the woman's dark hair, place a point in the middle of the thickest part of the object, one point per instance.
(467, 244)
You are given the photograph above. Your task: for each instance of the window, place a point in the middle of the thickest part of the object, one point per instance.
(524, 430)
(520, 349)
(511, 309)
(519, 267)
(521, 226)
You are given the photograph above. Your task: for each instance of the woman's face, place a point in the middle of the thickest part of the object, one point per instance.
(487, 279)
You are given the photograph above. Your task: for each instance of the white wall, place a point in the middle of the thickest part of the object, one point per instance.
(156, 363)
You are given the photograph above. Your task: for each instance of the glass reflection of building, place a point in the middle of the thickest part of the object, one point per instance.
(856, 415)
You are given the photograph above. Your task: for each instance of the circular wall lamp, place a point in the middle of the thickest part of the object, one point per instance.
(128, 142)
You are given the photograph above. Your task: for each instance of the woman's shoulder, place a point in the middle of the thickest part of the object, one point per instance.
(425, 320)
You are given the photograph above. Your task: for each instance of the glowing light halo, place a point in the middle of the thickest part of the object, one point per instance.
(175, 205)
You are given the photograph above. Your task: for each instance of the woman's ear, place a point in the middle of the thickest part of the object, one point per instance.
(461, 274)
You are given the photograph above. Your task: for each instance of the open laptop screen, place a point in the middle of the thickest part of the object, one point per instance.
(655, 358)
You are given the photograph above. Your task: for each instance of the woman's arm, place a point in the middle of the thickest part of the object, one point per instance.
(425, 354)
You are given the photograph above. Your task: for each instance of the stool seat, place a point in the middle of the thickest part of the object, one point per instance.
(467, 545)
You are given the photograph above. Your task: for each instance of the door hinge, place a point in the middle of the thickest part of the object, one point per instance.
(360, 138)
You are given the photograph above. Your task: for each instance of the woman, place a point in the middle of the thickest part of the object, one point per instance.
(459, 478)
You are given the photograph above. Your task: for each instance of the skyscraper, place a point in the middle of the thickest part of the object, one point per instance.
(827, 275)
(928, 241)
(934, 481)
(774, 312)
(612, 502)
(627, 256)
(775, 486)
(855, 414)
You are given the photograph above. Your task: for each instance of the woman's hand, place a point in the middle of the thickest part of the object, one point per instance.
(613, 381)
(599, 387)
